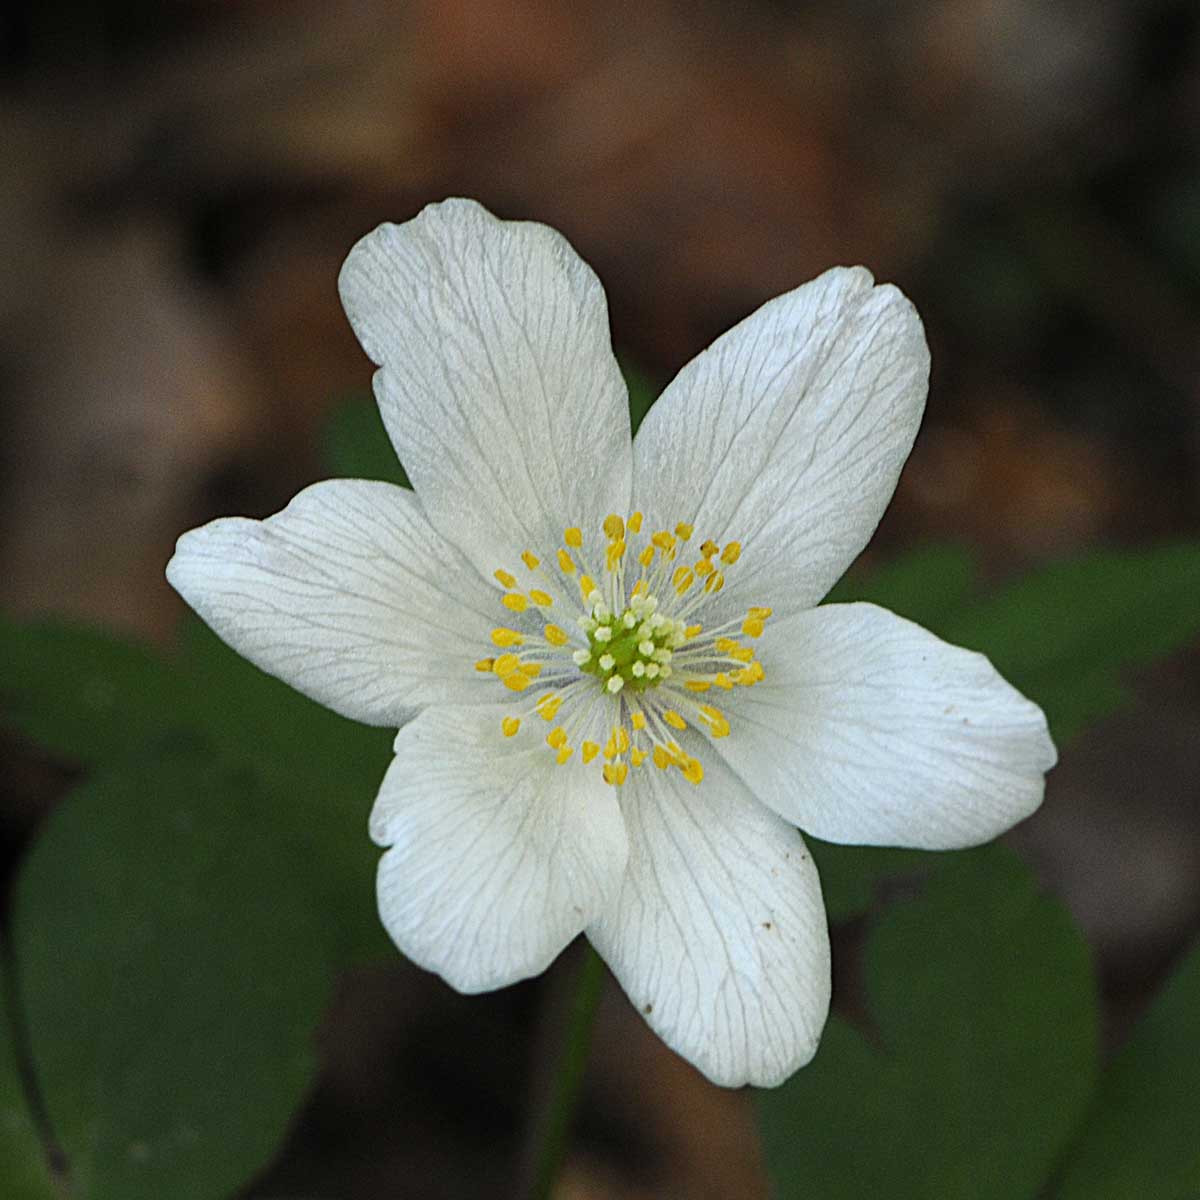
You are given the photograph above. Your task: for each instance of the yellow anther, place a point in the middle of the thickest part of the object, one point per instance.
(756, 671)
(638, 720)
(731, 553)
(532, 669)
(507, 637)
(515, 602)
(697, 685)
(614, 527)
(540, 598)
(590, 750)
(712, 712)
(506, 664)
(614, 554)
(709, 548)
(637, 756)
(720, 728)
(683, 531)
(621, 773)
(547, 707)
(664, 539)
(662, 759)
(564, 753)
(530, 559)
(760, 614)
(573, 536)
(518, 681)
(556, 737)
(639, 587)
(587, 585)
(622, 739)
(510, 725)
(704, 567)
(753, 627)
(635, 522)
(647, 556)
(506, 580)
(725, 645)
(693, 770)
(673, 719)
(683, 579)
(564, 563)
(610, 748)
(714, 583)
(555, 636)
(693, 631)
(484, 664)
(742, 654)
(723, 682)
(615, 773)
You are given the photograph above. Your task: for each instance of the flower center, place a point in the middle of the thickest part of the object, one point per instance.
(628, 678)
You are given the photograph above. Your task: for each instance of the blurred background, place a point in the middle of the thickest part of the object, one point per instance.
(180, 183)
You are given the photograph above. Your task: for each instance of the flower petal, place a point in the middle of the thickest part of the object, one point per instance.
(869, 730)
(348, 595)
(498, 384)
(788, 435)
(498, 857)
(719, 935)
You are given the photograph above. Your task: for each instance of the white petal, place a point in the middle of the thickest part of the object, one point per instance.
(869, 730)
(348, 595)
(788, 435)
(719, 936)
(498, 856)
(498, 385)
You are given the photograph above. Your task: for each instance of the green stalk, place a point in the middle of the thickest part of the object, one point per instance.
(568, 1078)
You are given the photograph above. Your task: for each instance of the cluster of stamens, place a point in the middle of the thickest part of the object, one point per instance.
(631, 676)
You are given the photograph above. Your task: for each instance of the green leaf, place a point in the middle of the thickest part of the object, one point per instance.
(172, 969)
(981, 1061)
(851, 875)
(1065, 635)
(642, 392)
(356, 445)
(24, 1174)
(85, 695)
(1143, 1135)
(319, 774)
(926, 585)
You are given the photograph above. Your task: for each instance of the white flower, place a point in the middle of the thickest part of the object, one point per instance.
(616, 696)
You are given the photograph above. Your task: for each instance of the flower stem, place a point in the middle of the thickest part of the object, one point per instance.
(568, 1077)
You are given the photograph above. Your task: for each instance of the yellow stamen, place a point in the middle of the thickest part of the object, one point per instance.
(664, 539)
(638, 720)
(714, 583)
(622, 739)
(709, 548)
(722, 681)
(683, 580)
(614, 554)
(515, 602)
(517, 681)
(614, 527)
(697, 685)
(484, 664)
(506, 580)
(673, 719)
(760, 614)
(693, 770)
(704, 567)
(547, 707)
(635, 522)
(540, 598)
(753, 627)
(637, 756)
(506, 664)
(590, 750)
(573, 537)
(564, 563)
(587, 585)
(683, 531)
(693, 631)
(510, 725)
(507, 637)
(564, 753)
(530, 559)
(662, 759)
(555, 636)
(556, 737)
(647, 556)
(532, 669)
(731, 553)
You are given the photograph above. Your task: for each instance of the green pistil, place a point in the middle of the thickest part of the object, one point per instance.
(625, 653)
